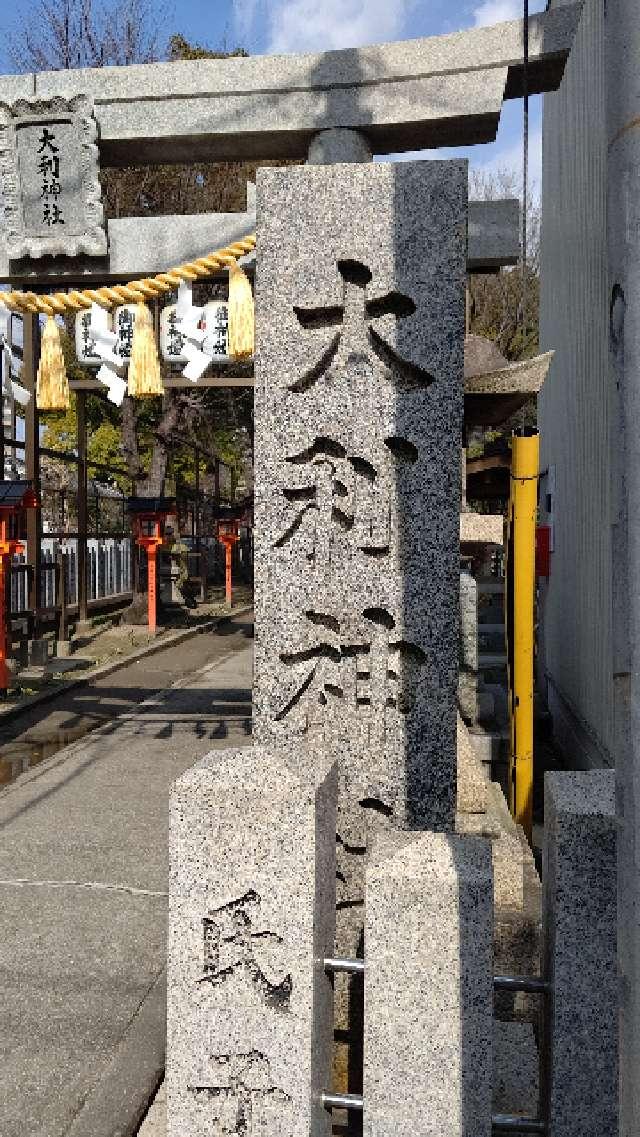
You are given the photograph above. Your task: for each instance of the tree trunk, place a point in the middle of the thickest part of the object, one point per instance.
(130, 449)
(173, 411)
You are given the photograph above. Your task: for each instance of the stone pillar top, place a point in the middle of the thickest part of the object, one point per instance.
(574, 793)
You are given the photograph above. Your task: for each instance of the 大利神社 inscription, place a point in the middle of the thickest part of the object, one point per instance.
(360, 329)
(49, 176)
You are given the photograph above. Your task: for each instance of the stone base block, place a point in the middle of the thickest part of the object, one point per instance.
(251, 918)
(429, 990)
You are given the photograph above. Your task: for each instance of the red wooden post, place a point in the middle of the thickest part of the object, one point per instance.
(15, 497)
(4, 615)
(227, 575)
(151, 587)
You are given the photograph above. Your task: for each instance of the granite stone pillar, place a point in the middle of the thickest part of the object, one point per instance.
(338, 145)
(358, 403)
(580, 953)
(358, 414)
(251, 918)
(428, 987)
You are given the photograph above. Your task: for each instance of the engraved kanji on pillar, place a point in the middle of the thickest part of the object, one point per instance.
(358, 420)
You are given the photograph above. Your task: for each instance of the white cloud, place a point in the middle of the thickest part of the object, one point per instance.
(245, 14)
(496, 12)
(323, 25)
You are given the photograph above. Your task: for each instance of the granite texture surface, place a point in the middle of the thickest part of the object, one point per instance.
(468, 677)
(334, 146)
(359, 356)
(428, 991)
(580, 952)
(251, 917)
(405, 95)
(472, 783)
(481, 528)
(507, 851)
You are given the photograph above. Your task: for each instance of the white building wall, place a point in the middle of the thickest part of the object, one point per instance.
(577, 406)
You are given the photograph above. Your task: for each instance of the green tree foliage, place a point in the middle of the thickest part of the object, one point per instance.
(180, 48)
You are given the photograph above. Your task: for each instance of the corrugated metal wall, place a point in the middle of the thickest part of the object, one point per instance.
(577, 404)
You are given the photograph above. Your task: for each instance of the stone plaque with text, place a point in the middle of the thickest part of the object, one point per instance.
(49, 171)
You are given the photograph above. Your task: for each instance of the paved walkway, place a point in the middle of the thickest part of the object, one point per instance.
(40, 729)
(83, 882)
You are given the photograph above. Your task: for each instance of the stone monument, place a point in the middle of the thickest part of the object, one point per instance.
(359, 363)
(251, 919)
(358, 422)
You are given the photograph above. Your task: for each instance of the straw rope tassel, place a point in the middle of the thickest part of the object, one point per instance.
(241, 314)
(52, 386)
(144, 366)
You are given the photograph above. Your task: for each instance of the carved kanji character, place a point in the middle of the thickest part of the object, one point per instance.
(357, 342)
(49, 166)
(52, 214)
(47, 141)
(366, 665)
(231, 944)
(245, 1099)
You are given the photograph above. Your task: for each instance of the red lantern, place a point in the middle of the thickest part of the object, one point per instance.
(228, 535)
(15, 498)
(149, 515)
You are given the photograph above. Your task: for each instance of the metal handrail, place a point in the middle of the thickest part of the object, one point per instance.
(508, 1123)
(536, 986)
(343, 1101)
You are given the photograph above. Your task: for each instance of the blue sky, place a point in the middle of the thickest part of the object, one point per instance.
(318, 25)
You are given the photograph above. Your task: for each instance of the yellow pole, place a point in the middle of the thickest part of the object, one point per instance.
(520, 622)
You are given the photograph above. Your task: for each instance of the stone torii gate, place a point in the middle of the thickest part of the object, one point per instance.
(360, 335)
(339, 106)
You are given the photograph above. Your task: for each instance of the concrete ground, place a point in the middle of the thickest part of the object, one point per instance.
(83, 889)
(39, 729)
